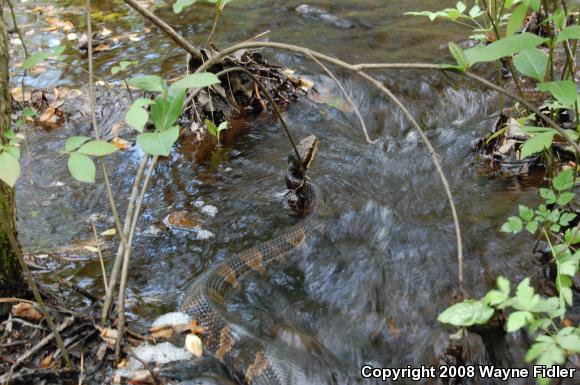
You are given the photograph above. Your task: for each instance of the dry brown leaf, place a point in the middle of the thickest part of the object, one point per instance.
(48, 115)
(142, 377)
(194, 345)
(67, 26)
(106, 32)
(101, 351)
(92, 249)
(47, 361)
(102, 47)
(306, 84)
(40, 68)
(27, 311)
(16, 94)
(121, 143)
(109, 232)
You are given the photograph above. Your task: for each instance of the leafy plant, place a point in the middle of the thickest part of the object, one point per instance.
(164, 109)
(216, 130)
(552, 221)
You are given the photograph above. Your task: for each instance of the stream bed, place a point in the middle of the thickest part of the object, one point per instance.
(369, 284)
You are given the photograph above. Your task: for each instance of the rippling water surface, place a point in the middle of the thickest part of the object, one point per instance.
(370, 283)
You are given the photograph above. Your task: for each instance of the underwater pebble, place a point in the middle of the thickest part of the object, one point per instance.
(198, 203)
(204, 234)
(209, 210)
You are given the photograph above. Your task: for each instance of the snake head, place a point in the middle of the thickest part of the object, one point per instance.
(307, 149)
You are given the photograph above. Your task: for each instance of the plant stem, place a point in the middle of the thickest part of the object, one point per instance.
(96, 127)
(215, 21)
(126, 227)
(126, 261)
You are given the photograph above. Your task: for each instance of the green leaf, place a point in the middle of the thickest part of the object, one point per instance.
(534, 4)
(164, 113)
(152, 83)
(203, 79)
(158, 143)
(532, 227)
(548, 195)
(97, 148)
(572, 236)
(137, 118)
(36, 58)
(9, 169)
(569, 33)
(115, 70)
(180, 4)
(565, 198)
(516, 19)
(461, 6)
(75, 142)
(566, 218)
(503, 285)
(459, 56)
(525, 298)
(211, 128)
(538, 143)
(513, 225)
(223, 126)
(81, 167)
(142, 102)
(518, 320)
(569, 267)
(504, 47)
(570, 342)
(466, 313)
(29, 113)
(532, 63)
(14, 151)
(475, 11)
(495, 297)
(564, 180)
(563, 90)
(526, 213)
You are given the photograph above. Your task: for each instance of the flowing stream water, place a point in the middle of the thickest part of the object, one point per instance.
(369, 284)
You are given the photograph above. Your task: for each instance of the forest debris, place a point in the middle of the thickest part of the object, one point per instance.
(17, 95)
(110, 232)
(120, 143)
(47, 361)
(108, 335)
(26, 311)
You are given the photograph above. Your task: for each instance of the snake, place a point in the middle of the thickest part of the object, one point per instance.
(245, 358)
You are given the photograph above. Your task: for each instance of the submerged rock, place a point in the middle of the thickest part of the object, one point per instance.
(316, 13)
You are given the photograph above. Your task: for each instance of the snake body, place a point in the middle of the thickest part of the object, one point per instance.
(245, 358)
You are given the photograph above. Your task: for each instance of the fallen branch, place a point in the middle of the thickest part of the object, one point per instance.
(166, 29)
(45, 341)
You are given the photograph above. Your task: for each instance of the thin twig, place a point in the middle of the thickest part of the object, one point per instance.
(16, 248)
(126, 227)
(480, 80)
(348, 98)
(102, 262)
(43, 343)
(170, 32)
(96, 127)
(127, 257)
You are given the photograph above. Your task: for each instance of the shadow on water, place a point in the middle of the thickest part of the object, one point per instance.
(369, 285)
